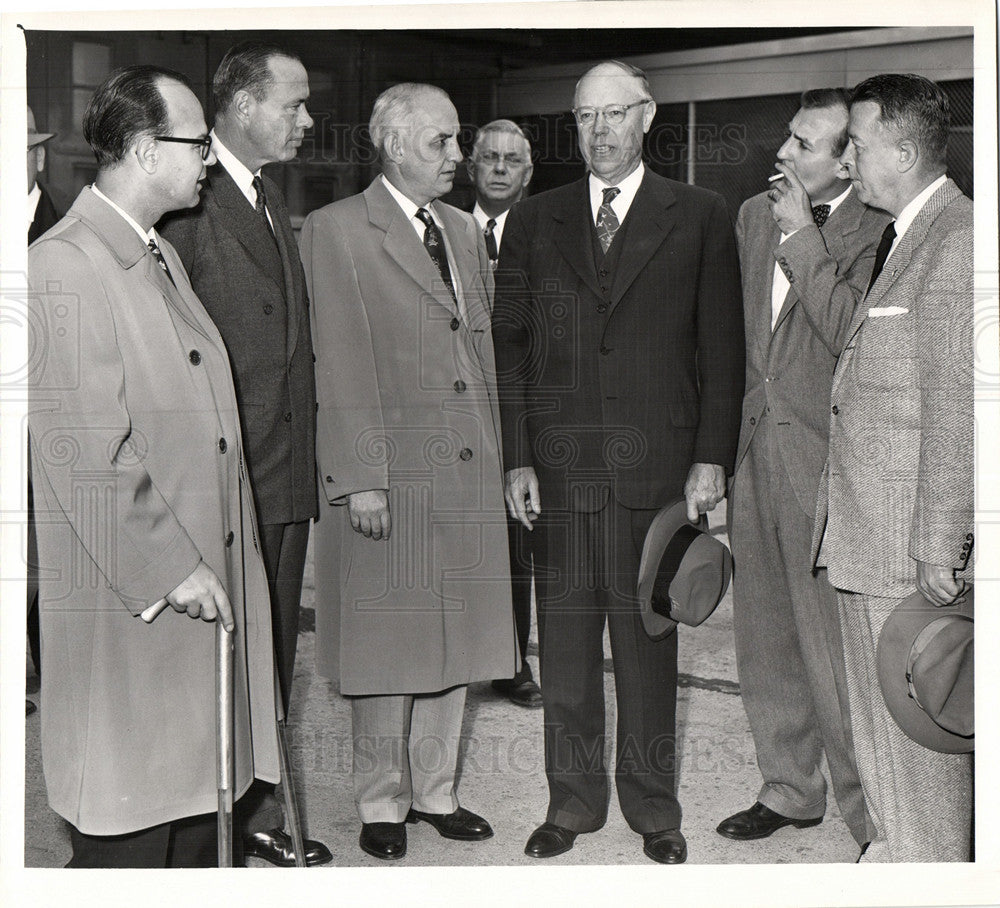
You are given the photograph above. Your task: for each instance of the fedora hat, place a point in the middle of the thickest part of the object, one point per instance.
(35, 137)
(925, 670)
(683, 573)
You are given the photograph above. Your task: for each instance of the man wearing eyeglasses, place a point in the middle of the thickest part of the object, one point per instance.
(141, 496)
(241, 254)
(500, 169)
(618, 331)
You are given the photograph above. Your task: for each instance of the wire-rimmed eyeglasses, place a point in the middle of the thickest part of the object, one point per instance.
(205, 142)
(614, 114)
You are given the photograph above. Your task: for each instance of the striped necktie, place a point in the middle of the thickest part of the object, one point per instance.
(607, 220)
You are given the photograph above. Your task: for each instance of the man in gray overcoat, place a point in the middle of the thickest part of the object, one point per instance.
(141, 495)
(409, 460)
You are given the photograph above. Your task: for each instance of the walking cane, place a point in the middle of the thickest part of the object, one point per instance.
(288, 788)
(224, 747)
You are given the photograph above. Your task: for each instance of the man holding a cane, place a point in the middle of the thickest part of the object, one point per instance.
(141, 495)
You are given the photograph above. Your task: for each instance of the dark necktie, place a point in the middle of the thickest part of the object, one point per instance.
(820, 214)
(882, 253)
(434, 244)
(607, 220)
(260, 206)
(161, 261)
(491, 241)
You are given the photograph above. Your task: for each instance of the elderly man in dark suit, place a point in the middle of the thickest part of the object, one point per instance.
(409, 454)
(240, 252)
(142, 500)
(896, 506)
(619, 338)
(806, 250)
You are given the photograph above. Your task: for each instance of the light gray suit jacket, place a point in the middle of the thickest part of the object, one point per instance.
(790, 369)
(899, 482)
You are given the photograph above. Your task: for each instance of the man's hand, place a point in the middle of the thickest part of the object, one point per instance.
(790, 205)
(201, 595)
(370, 513)
(938, 584)
(704, 489)
(520, 489)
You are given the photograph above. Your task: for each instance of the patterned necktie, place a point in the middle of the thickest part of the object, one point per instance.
(820, 214)
(161, 261)
(607, 220)
(491, 241)
(261, 205)
(882, 253)
(434, 244)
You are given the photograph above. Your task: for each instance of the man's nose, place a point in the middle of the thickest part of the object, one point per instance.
(847, 157)
(784, 151)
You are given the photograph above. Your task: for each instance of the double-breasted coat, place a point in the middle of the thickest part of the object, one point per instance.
(407, 403)
(138, 475)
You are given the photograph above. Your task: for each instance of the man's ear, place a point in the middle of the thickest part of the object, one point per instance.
(39, 151)
(147, 153)
(393, 147)
(908, 155)
(243, 105)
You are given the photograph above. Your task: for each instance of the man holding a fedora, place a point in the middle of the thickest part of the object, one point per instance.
(895, 509)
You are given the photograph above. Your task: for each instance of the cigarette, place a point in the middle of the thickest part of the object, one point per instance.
(777, 176)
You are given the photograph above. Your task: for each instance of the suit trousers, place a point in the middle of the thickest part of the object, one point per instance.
(588, 578)
(920, 800)
(789, 652)
(406, 753)
(522, 546)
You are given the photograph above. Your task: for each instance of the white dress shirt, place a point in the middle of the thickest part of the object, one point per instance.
(912, 209)
(239, 172)
(627, 188)
(779, 283)
(482, 217)
(33, 198)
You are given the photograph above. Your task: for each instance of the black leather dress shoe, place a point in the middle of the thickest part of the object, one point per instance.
(462, 825)
(758, 823)
(275, 846)
(666, 847)
(549, 840)
(522, 693)
(383, 840)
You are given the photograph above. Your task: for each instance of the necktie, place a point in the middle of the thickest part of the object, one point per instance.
(161, 261)
(261, 204)
(820, 214)
(491, 241)
(882, 253)
(607, 220)
(434, 244)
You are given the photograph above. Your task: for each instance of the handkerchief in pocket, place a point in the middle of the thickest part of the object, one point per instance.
(882, 311)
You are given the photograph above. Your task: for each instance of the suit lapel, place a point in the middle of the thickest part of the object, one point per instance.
(403, 245)
(571, 234)
(650, 221)
(766, 237)
(287, 249)
(237, 215)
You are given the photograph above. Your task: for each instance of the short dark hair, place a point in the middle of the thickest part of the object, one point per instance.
(127, 105)
(245, 67)
(915, 107)
(829, 97)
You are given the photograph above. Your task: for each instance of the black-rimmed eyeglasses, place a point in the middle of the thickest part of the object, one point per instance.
(205, 142)
(614, 113)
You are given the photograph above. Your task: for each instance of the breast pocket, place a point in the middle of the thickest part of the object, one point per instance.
(885, 354)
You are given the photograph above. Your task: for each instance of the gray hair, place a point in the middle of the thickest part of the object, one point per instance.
(508, 127)
(626, 68)
(394, 109)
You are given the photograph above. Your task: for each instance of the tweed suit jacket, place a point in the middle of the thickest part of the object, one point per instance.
(899, 482)
(255, 291)
(631, 378)
(790, 369)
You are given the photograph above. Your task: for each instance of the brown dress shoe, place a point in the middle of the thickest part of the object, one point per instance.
(462, 825)
(548, 840)
(758, 823)
(666, 847)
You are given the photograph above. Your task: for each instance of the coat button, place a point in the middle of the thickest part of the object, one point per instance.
(603, 272)
(969, 536)
(465, 454)
(288, 416)
(195, 357)
(329, 478)
(602, 308)
(229, 538)
(834, 409)
(753, 420)
(454, 324)
(268, 309)
(459, 386)
(605, 350)
(222, 445)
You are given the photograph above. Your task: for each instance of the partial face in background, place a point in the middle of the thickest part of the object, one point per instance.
(810, 150)
(425, 151)
(612, 151)
(500, 168)
(279, 122)
(36, 163)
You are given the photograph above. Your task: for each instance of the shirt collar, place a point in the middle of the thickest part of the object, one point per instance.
(410, 208)
(242, 177)
(144, 235)
(627, 188)
(907, 215)
(34, 197)
(482, 217)
(835, 203)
